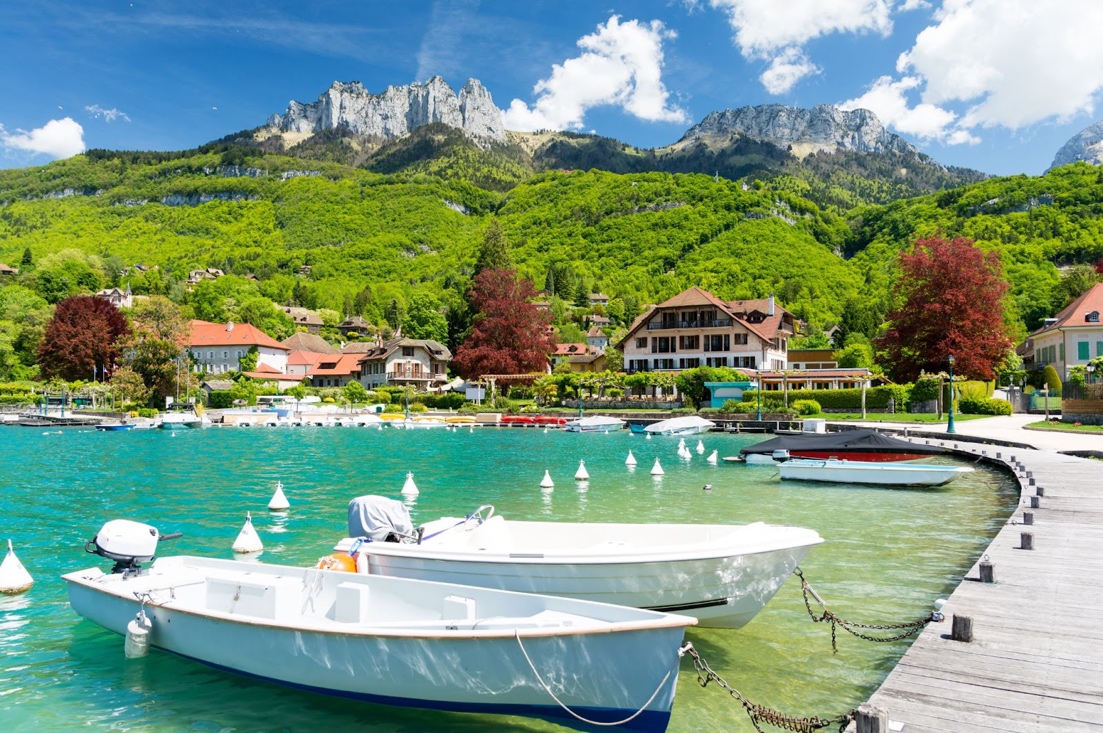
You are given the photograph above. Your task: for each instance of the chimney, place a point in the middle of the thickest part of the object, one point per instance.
(770, 306)
(229, 326)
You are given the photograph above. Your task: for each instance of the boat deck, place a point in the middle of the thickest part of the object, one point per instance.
(1035, 662)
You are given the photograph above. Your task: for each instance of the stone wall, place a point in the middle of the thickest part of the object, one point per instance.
(1088, 412)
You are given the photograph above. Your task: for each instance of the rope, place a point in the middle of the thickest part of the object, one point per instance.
(758, 713)
(633, 716)
(909, 628)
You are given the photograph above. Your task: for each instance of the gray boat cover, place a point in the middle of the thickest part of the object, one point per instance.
(858, 441)
(376, 517)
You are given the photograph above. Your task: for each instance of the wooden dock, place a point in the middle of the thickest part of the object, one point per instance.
(1035, 662)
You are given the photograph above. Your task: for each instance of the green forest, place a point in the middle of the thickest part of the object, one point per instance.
(352, 241)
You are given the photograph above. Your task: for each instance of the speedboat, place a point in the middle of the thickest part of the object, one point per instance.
(869, 472)
(392, 641)
(854, 445)
(594, 424)
(182, 419)
(115, 426)
(720, 574)
(688, 425)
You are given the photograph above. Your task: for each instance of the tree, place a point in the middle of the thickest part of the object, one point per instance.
(129, 386)
(355, 393)
(424, 319)
(951, 301)
(80, 339)
(691, 382)
(157, 341)
(28, 260)
(494, 252)
(395, 313)
(508, 334)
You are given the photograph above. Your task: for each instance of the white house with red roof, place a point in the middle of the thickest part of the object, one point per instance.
(695, 328)
(1072, 338)
(216, 347)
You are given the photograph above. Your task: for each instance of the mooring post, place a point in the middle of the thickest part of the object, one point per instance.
(987, 572)
(1035, 502)
(1026, 540)
(1030, 474)
(871, 719)
(962, 629)
(1040, 491)
(1030, 481)
(1028, 517)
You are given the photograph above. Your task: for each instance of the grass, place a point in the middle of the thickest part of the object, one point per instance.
(900, 417)
(1065, 427)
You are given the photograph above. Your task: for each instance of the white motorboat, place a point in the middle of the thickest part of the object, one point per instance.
(594, 424)
(688, 425)
(183, 418)
(392, 641)
(869, 472)
(420, 423)
(721, 574)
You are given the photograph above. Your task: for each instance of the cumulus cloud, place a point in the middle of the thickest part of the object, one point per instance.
(57, 138)
(888, 99)
(620, 65)
(108, 115)
(777, 31)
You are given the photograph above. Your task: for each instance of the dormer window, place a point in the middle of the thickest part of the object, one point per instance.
(1092, 317)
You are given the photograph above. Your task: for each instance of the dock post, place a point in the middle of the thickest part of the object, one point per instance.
(1040, 491)
(1028, 518)
(1035, 502)
(987, 572)
(871, 719)
(962, 629)
(1031, 482)
(1027, 541)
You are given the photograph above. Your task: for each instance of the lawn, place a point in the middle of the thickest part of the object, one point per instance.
(900, 417)
(1064, 427)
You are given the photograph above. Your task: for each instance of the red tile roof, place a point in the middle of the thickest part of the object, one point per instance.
(569, 349)
(336, 365)
(205, 333)
(1076, 312)
(305, 358)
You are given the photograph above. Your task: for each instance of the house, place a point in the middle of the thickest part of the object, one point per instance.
(354, 326)
(300, 363)
(5, 270)
(695, 328)
(216, 347)
(1071, 338)
(197, 276)
(817, 379)
(591, 361)
(596, 339)
(266, 373)
(422, 363)
(599, 299)
(303, 318)
(335, 370)
(116, 297)
(599, 321)
(303, 341)
(812, 359)
(564, 352)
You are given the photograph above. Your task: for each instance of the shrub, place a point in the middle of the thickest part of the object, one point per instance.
(147, 412)
(807, 407)
(394, 408)
(220, 399)
(418, 407)
(732, 406)
(444, 401)
(925, 389)
(683, 411)
(709, 410)
(1052, 380)
(983, 406)
(614, 393)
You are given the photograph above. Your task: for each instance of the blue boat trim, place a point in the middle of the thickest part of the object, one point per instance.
(649, 721)
(688, 606)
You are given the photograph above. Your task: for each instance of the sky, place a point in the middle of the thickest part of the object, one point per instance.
(994, 85)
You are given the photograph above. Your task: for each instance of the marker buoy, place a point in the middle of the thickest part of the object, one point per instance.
(279, 501)
(581, 474)
(700, 448)
(712, 457)
(657, 470)
(649, 436)
(630, 460)
(547, 482)
(681, 444)
(545, 431)
(14, 578)
(410, 488)
(247, 539)
(708, 487)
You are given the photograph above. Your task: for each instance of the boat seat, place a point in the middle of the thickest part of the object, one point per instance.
(458, 608)
(351, 603)
(245, 598)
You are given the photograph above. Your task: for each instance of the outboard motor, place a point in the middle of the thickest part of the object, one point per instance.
(128, 543)
(380, 519)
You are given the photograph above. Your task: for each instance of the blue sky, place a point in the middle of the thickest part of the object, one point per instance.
(996, 85)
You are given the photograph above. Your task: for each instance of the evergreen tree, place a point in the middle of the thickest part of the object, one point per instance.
(424, 319)
(494, 252)
(395, 313)
(362, 301)
(28, 261)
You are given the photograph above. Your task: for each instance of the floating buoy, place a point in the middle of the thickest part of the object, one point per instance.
(547, 482)
(247, 539)
(700, 448)
(708, 487)
(471, 430)
(657, 470)
(630, 460)
(137, 636)
(712, 457)
(681, 443)
(545, 431)
(649, 436)
(338, 561)
(581, 474)
(172, 435)
(279, 501)
(410, 488)
(14, 578)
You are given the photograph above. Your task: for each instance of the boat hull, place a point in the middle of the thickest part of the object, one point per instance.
(691, 425)
(114, 428)
(602, 676)
(871, 473)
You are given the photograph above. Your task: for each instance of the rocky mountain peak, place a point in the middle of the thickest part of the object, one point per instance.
(1086, 145)
(803, 131)
(396, 110)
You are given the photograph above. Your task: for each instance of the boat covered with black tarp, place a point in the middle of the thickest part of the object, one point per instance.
(855, 445)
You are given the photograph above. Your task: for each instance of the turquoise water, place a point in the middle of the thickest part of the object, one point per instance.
(888, 554)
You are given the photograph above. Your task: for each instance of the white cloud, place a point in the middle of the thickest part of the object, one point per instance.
(1013, 62)
(887, 98)
(914, 5)
(764, 26)
(57, 138)
(786, 70)
(108, 115)
(620, 65)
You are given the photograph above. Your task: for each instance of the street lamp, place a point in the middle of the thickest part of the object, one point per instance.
(950, 422)
(1091, 372)
(758, 393)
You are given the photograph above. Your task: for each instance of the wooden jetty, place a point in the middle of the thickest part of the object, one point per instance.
(1021, 648)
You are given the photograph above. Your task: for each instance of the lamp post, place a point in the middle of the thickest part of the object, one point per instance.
(950, 422)
(1091, 373)
(758, 393)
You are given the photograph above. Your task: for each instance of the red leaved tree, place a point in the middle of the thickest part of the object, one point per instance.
(509, 334)
(951, 301)
(79, 341)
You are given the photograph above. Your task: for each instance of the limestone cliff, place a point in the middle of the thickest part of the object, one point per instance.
(1086, 145)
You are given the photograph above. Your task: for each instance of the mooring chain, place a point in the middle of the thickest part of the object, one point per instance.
(908, 628)
(759, 714)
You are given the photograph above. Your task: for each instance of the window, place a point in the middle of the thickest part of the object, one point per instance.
(1092, 317)
(1061, 349)
(225, 354)
(210, 355)
(1099, 348)
(664, 363)
(407, 350)
(739, 338)
(1083, 351)
(689, 363)
(691, 343)
(641, 343)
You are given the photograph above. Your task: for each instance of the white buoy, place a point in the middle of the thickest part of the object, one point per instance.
(649, 436)
(547, 482)
(657, 470)
(137, 636)
(247, 539)
(545, 431)
(279, 501)
(410, 488)
(581, 474)
(700, 448)
(14, 578)
(630, 460)
(471, 430)
(681, 443)
(713, 457)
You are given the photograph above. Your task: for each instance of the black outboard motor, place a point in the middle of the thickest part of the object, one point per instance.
(128, 543)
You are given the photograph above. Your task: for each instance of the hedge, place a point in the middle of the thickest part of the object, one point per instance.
(807, 407)
(221, 399)
(983, 406)
(839, 399)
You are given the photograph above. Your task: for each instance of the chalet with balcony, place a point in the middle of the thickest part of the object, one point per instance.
(1071, 338)
(305, 319)
(421, 363)
(695, 328)
(354, 326)
(116, 297)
